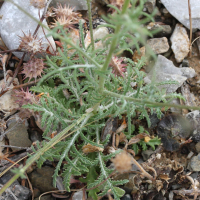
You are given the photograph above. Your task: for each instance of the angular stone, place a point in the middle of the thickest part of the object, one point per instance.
(165, 30)
(146, 154)
(78, 195)
(197, 146)
(179, 9)
(42, 179)
(194, 119)
(194, 164)
(180, 43)
(158, 45)
(164, 70)
(14, 22)
(17, 134)
(98, 34)
(150, 5)
(77, 4)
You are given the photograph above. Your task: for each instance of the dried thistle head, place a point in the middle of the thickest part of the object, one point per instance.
(24, 97)
(67, 23)
(118, 66)
(67, 12)
(38, 3)
(33, 68)
(50, 13)
(122, 162)
(66, 17)
(30, 43)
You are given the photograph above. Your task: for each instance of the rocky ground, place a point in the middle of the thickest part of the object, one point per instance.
(176, 161)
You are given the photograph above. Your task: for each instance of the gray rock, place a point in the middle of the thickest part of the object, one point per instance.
(99, 34)
(187, 72)
(14, 21)
(17, 134)
(189, 97)
(194, 118)
(154, 119)
(194, 175)
(146, 154)
(158, 45)
(176, 186)
(126, 197)
(78, 195)
(77, 4)
(150, 5)
(42, 179)
(197, 146)
(185, 63)
(164, 70)
(179, 9)
(165, 30)
(180, 43)
(194, 164)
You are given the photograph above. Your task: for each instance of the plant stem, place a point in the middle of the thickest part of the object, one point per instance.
(190, 17)
(112, 48)
(90, 23)
(149, 103)
(144, 173)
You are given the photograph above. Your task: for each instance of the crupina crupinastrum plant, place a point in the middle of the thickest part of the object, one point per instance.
(98, 83)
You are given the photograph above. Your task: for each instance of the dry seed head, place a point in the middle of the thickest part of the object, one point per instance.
(67, 12)
(50, 13)
(33, 68)
(122, 162)
(118, 66)
(30, 43)
(38, 3)
(63, 21)
(24, 97)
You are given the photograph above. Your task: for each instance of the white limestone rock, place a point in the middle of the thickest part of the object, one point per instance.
(180, 43)
(164, 70)
(77, 4)
(158, 45)
(179, 9)
(14, 21)
(99, 34)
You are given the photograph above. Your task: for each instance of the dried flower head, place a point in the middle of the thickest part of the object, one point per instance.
(38, 3)
(118, 66)
(30, 43)
(122, 162)
(67, 12)
(50, 13)
(63, 21)
(33, 68)
(24, 97)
